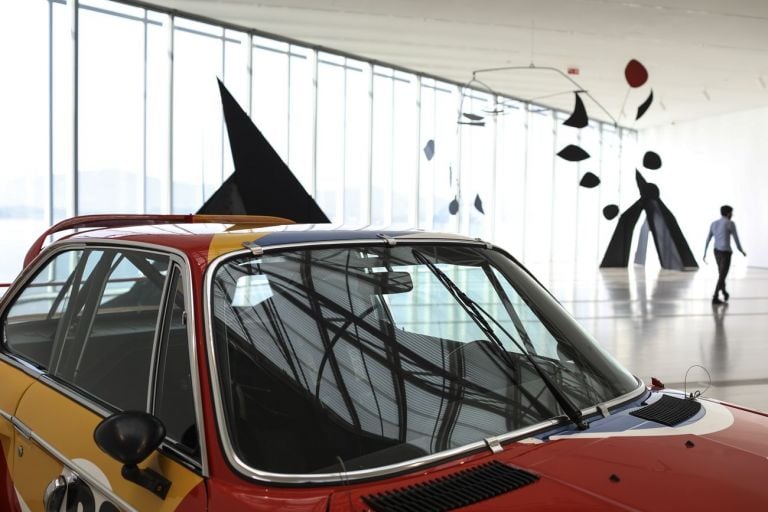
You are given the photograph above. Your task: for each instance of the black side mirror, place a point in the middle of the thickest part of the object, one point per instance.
(130, 437)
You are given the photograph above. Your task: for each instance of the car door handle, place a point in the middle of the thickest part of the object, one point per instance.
(54, 494)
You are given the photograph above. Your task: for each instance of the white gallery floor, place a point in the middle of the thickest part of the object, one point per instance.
(660, 323)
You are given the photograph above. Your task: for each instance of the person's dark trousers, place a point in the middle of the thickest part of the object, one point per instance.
(723, 259)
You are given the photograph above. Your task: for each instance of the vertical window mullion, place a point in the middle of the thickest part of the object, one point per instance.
(288, 64)
(415, 211)
(457, 161)
(344, 166)
(223, 124)
(552, 202)
(316, 57)
(143, 187)
(494, 164)
(249, 73)
(75, 13)
(170, 46)
(392, 159)
(524, 220)
(370, 142)
(50, 115)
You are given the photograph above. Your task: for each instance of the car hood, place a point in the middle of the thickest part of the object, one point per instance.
(715, 460)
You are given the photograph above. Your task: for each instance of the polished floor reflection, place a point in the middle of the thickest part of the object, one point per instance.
(662, 324)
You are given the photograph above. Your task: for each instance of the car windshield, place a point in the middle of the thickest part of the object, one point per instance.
(353, 358)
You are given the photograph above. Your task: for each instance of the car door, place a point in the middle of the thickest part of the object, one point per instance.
(106, 328)
(13, 383)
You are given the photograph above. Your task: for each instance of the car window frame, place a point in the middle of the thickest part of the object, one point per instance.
(297, 479)
(85, 310)
(177, 259)
(175, 277)
(90, 312)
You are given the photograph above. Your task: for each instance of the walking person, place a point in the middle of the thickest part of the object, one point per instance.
(722, 230)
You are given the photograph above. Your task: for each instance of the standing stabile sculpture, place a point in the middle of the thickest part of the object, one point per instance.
(673, 250)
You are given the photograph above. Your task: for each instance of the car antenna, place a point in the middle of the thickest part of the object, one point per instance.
(697, 393)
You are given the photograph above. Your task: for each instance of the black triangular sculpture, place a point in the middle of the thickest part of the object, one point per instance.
(644, 106)
(671, 246)
(579, 118)
(262, 184)
(479, 204)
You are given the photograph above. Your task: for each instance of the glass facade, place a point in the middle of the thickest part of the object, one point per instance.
(131, 105)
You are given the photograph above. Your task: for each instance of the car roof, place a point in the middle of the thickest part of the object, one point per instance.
(210, 240)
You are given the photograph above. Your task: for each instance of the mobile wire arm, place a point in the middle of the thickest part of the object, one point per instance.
(532, 66)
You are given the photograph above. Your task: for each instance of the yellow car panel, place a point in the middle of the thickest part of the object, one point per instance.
(223, 243)
(60, 422)
(14, 383)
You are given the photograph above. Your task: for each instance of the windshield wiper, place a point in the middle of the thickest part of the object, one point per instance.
(478, 314)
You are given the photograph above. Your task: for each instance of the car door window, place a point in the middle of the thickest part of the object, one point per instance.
(174, 398)
(32, 321)
(94, 328)
(109, 355)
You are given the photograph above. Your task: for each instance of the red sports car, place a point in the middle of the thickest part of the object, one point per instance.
(199, 363)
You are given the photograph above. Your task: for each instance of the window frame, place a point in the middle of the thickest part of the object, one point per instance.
(303, 479)
(86, 316)
(175, 278)
(90, 315)
(178, 261)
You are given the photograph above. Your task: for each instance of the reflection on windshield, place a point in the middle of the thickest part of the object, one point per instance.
(355, 358)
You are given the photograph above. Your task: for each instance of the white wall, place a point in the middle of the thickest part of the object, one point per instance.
(710, 162)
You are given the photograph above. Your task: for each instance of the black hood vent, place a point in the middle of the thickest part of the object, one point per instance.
(454, 491)
(669, 411)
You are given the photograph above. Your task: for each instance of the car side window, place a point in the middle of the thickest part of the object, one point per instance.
(174, 400)
(109, 356)
(31, 323)
(95, 326)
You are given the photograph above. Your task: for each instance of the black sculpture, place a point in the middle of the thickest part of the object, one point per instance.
(429, 149)
(589, 180)
(579, 118)
(262, 184)
(573, 153)
(671, 246)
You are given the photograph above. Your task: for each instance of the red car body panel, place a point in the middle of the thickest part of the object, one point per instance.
(239, 494)
(195, 500)
(8, 498)
(685, 472)
(669, 472)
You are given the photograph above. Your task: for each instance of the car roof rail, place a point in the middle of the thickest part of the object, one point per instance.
(125, 220)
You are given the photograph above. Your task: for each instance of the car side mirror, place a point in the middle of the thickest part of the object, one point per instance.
(130, 437)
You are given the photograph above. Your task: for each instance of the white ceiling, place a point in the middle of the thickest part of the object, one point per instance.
(704, 57)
